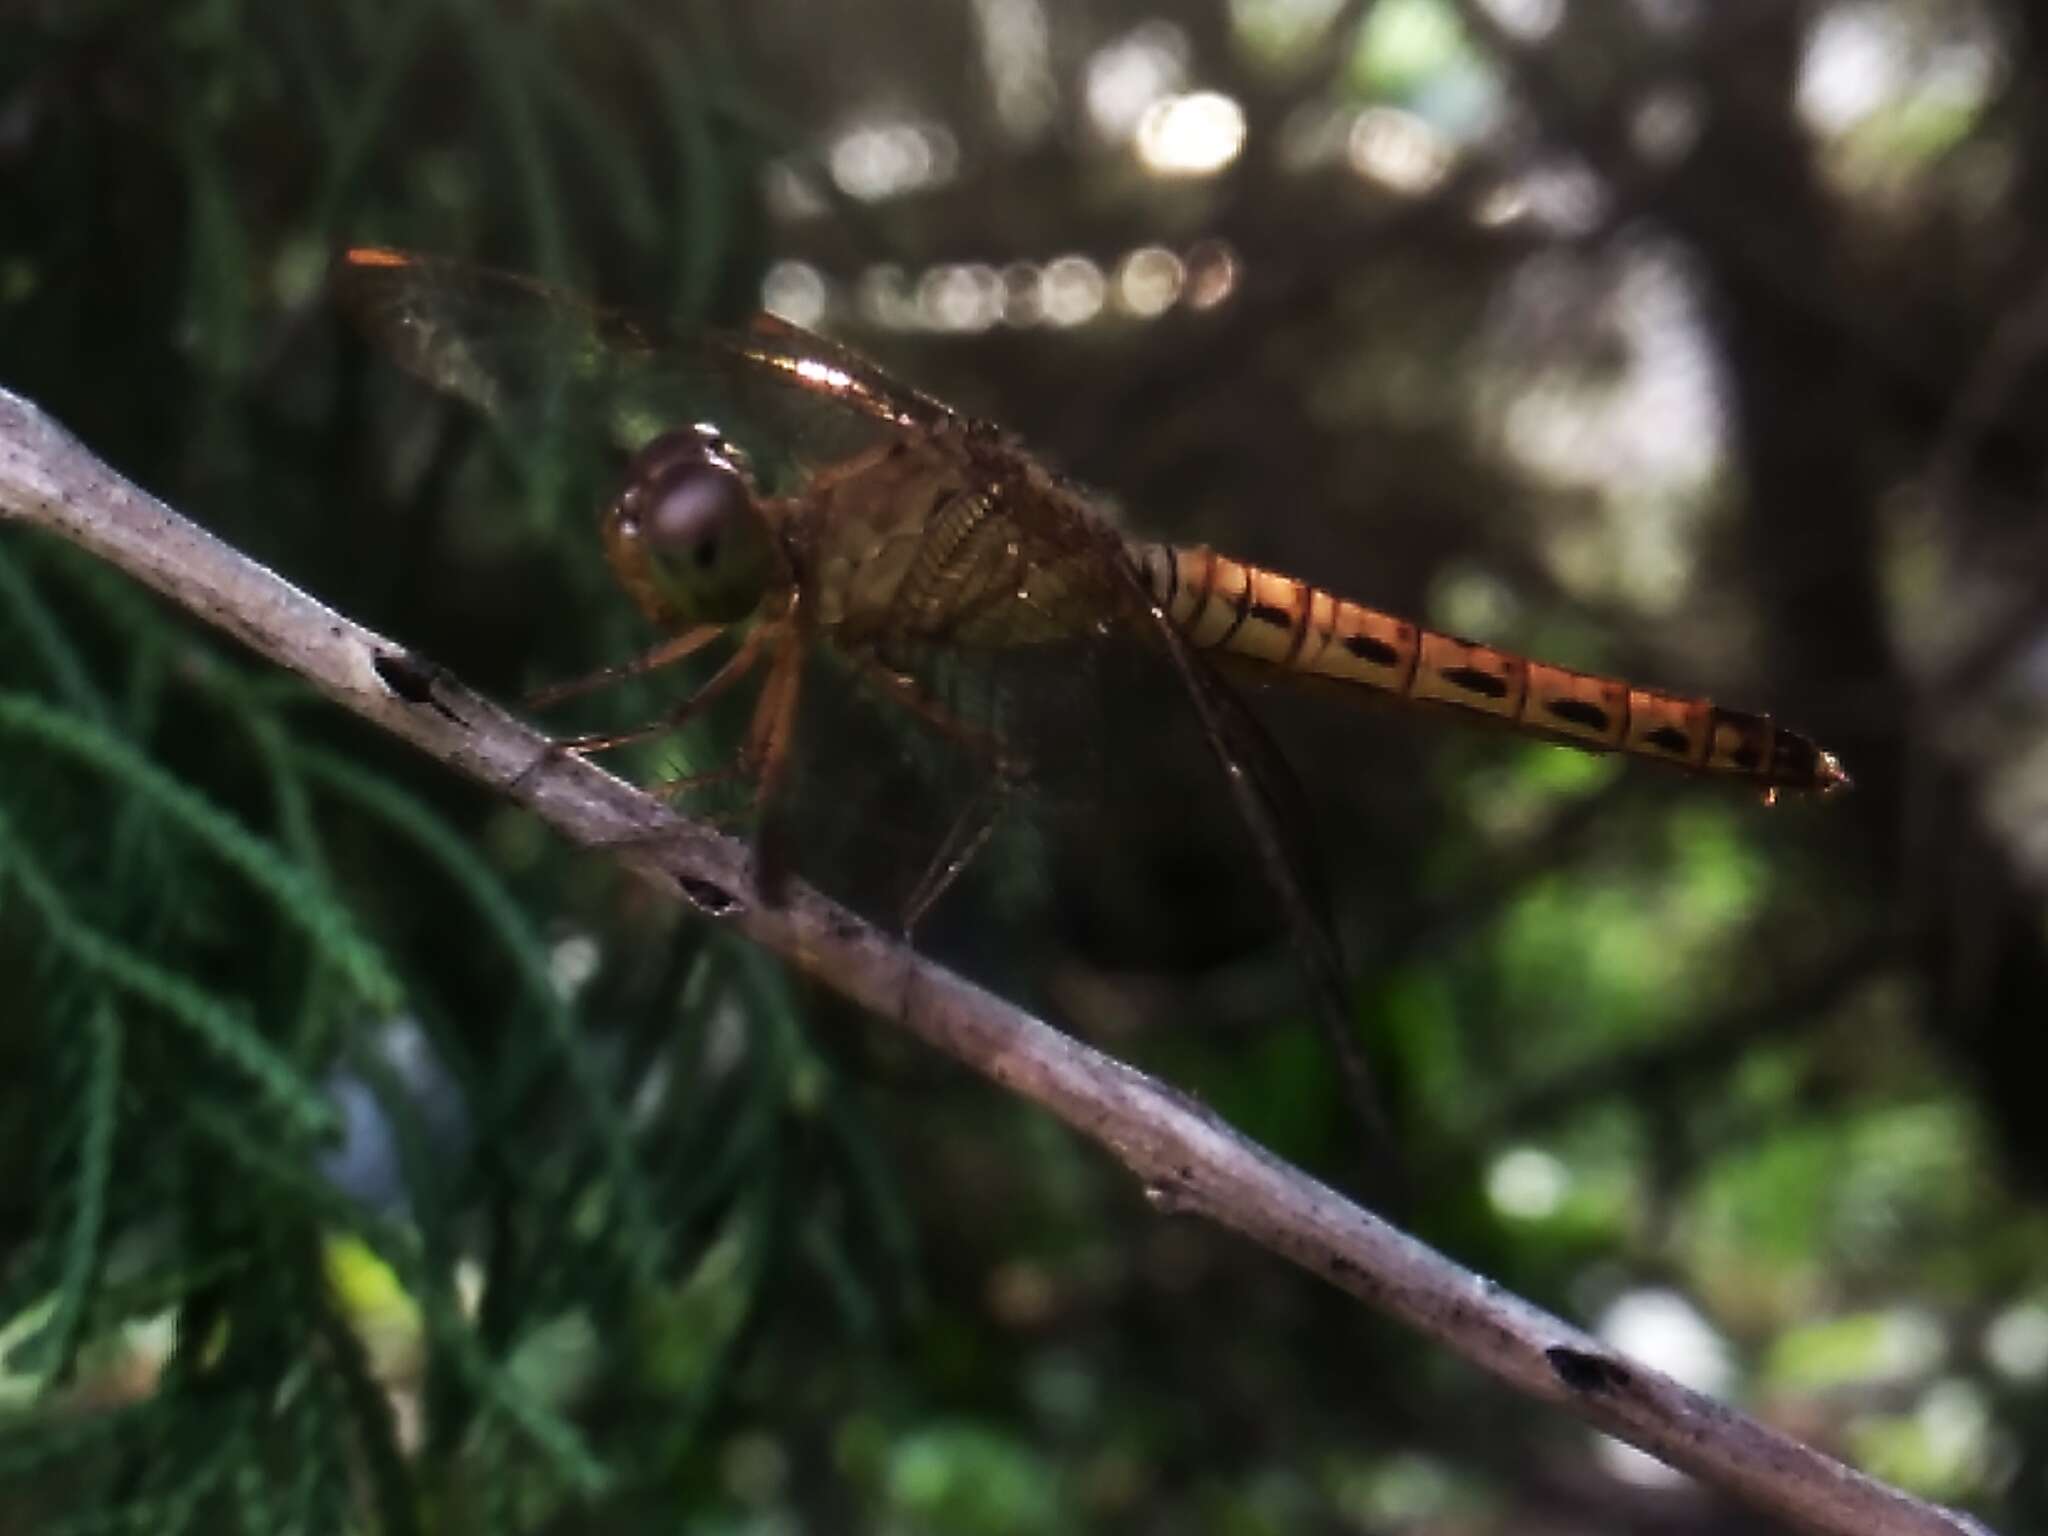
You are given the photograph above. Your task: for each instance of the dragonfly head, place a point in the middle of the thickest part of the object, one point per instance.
(687, 537)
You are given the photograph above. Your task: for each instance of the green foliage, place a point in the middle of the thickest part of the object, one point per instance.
(954, 1477)
(211, 1047)
(323, 1156)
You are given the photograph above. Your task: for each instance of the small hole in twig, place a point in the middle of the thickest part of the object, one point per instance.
(712, 900)
(407, 676)
(1584, 1372)
(412, 678)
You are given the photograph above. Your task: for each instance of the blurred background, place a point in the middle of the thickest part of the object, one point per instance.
(369, 1160)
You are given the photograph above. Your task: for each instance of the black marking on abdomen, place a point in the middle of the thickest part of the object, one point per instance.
(1669, 738)
(1365, 648)
(1579, 712)
(1266, 613)
(1243, 603)
(1473, 680)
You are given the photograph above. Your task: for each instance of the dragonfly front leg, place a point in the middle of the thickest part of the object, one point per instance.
(670, 651)
(737, 666)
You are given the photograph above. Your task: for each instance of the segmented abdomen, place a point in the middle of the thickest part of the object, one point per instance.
(1223, 604)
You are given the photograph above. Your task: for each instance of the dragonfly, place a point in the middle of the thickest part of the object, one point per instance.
(784, 497)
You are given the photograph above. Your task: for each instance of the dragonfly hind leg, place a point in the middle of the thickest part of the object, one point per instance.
(978, 819)
(684, 784)
(969, 834)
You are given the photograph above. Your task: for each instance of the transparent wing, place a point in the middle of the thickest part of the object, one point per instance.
(1027, 630)
(1194, 722)
(544, 364)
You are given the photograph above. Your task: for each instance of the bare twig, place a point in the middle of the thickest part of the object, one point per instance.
(1186, 1158)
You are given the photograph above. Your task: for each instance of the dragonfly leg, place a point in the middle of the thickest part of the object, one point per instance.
(737, 666)
(827, 475)
(671, 650)
(766, 753)
(915, 697)
(769, 735)
(977, 822)
(969, 835)
(690, 783)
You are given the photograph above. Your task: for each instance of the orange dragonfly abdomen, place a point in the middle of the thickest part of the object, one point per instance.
(1264, 617)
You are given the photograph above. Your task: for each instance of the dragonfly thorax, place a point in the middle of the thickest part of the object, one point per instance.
(687, 537)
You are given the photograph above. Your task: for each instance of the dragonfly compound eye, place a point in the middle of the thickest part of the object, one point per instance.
(684, 514)
(688, 531)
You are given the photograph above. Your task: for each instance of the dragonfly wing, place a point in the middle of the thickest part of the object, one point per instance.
(893, 768)
(1082, 581)
(1271, 805)
(519, 351)
(543, 364)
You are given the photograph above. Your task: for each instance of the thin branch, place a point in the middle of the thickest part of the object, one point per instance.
(1186, 1158)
